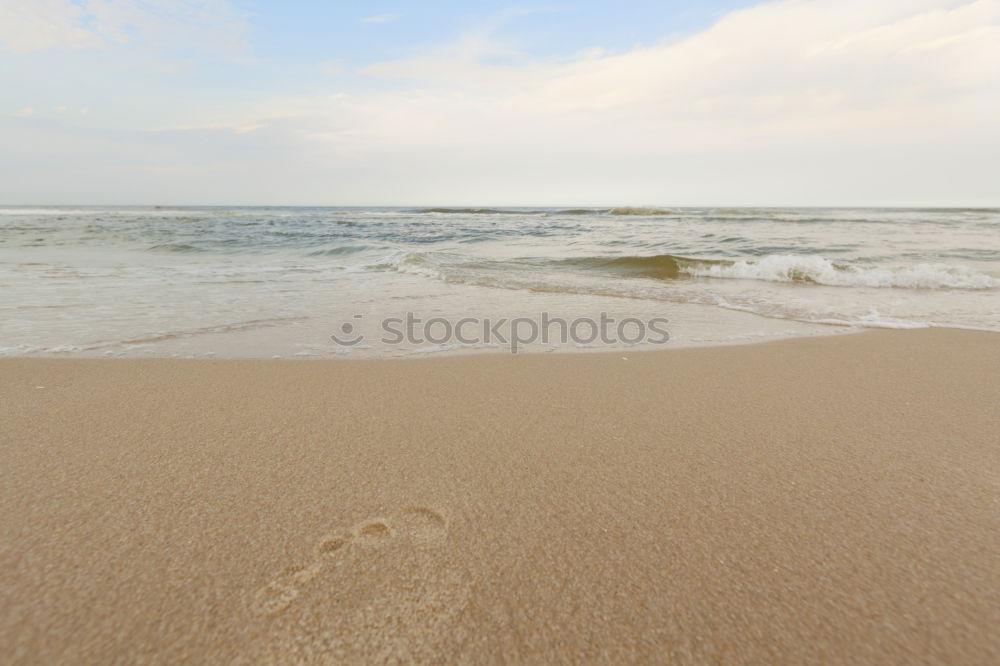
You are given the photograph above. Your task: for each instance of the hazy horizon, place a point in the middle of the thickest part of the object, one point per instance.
(462, 207)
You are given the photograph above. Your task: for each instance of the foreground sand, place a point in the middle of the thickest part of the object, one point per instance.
(818, 500)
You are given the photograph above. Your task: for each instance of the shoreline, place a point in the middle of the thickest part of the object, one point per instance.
(434, 351)
(481, 352)
(827, 498)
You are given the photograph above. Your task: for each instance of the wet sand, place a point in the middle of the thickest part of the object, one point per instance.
(822, 500)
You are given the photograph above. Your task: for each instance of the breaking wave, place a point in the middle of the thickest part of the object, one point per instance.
(800, 269)
(820, 270)
(793, 268)
(796, 268)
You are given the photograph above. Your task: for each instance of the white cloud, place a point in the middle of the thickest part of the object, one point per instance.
(381, 18)
(33, 25)
(789, 73)
(789, 102)
(29, 25)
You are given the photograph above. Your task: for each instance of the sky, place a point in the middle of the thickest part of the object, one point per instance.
(669, 102)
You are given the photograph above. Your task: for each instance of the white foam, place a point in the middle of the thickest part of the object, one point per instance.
(820, 270)
(871, 323)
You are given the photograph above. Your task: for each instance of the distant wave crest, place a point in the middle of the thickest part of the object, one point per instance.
(640, 210)
(620, 210)
(460, 211)
(338, 250)
(174, 247)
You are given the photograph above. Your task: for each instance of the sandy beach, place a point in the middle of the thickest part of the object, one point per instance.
(822, 500)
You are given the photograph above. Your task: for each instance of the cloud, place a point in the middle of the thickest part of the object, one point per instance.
(789, 102)
(206, 25)
(30, 25)
(381, 18)
(784, 74)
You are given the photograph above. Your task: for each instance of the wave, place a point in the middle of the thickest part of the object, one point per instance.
(807, 269)
(427, 264)
(621, 210)
(801, 269)
(174, 247)
(338, 250)
(540, 211)
(820, 270)
(660, 267)
(640, 210)
(466, 211)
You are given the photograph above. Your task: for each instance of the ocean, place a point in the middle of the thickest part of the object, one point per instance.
(266, 282)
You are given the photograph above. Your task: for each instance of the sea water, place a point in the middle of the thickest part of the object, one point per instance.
(265, 282)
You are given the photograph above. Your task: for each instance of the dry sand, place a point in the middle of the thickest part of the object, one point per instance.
(831, 500)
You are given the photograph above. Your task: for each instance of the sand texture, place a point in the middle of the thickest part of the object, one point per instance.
(823, 500)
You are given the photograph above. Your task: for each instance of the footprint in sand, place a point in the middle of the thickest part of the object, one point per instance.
(385, 591)
(424, 525)
(372, 533)
(420, 525)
